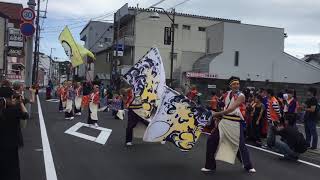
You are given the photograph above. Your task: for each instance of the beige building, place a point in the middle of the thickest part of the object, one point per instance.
(138, 33)
(3, 27)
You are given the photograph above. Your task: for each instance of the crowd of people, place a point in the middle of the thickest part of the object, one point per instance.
(267, 116)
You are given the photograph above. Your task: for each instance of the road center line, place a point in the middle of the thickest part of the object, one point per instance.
(47, 155)
(274, 153)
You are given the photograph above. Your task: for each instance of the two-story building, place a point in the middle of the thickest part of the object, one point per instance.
(13, 50)
(98, 38)
(138, 32)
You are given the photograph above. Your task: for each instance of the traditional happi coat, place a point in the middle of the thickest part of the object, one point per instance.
(78, 98)
(70, 98)
(94, 105)
(229, 130)
(63, 97)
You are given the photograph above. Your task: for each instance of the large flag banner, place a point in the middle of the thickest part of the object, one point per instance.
(178, 120)
(147, 78)
(74, 51)
(85, 52)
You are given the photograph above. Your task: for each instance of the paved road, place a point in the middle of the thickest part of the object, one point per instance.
(79, 159)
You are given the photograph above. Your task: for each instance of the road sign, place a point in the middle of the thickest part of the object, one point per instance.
(27, 29)
(27, 14)
(120, 49)
(15, 52)
(15, 38)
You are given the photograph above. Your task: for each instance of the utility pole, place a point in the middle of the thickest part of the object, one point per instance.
(50, 63)
(28, 63)
(36, 51)
(172, 45)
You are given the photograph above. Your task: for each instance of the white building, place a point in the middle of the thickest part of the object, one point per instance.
(255, 53)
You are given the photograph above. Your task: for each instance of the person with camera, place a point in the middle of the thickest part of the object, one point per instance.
(12, 110)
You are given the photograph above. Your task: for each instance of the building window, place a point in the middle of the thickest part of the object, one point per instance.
(167, 36)
(202, 29)
(186, 27)
(107, 40)
(236, 58)
(176, 26)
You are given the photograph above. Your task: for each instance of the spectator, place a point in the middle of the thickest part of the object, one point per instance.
(11, 112)
(310, 122)
(290, 107)
(193, 94)
(273, 116)
(292, 142)
(257, 115)
(214, 101)
(6, 83)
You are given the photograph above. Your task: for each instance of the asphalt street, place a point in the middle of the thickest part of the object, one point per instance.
(76, 158)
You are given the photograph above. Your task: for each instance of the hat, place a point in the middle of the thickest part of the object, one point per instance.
(6, 92)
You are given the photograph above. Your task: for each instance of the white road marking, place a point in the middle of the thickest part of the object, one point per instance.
(53, 100)
(274, 153)
(101, 139)
(47, 155)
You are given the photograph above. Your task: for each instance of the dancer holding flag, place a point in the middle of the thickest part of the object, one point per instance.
(226, 142)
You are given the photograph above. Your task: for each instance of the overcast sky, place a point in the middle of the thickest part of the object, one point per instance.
(299, 18)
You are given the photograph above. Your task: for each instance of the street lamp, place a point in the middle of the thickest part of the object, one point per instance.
(155, 15)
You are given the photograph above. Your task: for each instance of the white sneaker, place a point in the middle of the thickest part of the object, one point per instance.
(67, 118)
(163, 142)
(206, 170)
(252, 170)
(78, 114)
(129, 144)
(71, 118)
(96, 125)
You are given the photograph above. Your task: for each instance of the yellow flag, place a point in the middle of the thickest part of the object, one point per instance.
(70, 47)
(85, 52)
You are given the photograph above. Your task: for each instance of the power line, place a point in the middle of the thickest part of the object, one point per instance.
(185, 1)
(108, 28)
(85, 20)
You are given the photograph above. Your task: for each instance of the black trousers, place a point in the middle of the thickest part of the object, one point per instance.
(91, 121)
(68, 114)
(212, 147)
(133, 120)
(60, 106)
(77, 110)
(9, 164)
